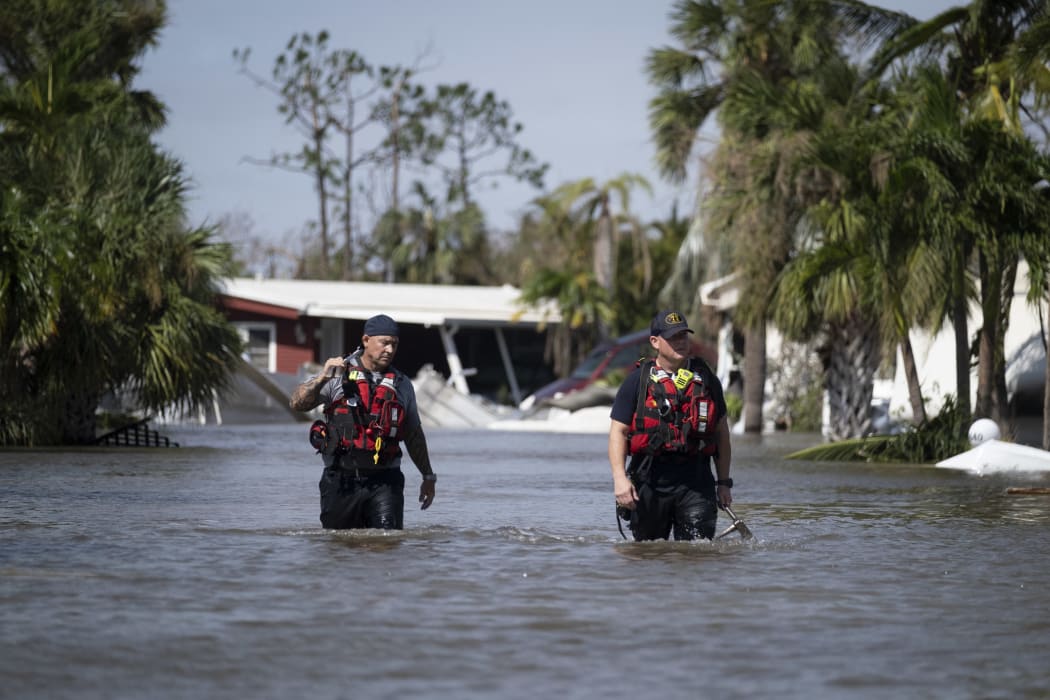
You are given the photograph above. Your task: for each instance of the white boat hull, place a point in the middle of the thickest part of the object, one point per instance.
(994, 456)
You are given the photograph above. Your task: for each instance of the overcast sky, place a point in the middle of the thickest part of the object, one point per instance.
(571, 70)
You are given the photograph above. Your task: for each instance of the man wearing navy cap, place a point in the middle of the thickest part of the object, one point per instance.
(669, 415)
(370, 408)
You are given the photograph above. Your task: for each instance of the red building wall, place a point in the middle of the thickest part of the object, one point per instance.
(291, 353)
(295, 339)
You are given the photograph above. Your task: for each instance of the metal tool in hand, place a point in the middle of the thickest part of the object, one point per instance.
(622, 513)
(737, 526)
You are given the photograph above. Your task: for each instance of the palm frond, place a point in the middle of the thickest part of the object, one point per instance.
(1032, 49)
(675, 117)
(872, 24)
(670, 68)
(919, 37)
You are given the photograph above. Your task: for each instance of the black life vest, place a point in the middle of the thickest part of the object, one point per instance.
(675, 413)
(367, 418)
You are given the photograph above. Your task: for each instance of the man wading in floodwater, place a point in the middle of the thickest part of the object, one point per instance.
(670, 414)
(370, 407)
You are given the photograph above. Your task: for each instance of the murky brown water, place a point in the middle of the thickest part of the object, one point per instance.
(203, 572)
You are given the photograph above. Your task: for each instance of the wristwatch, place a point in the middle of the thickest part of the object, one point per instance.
(724, 482)
(430, 477)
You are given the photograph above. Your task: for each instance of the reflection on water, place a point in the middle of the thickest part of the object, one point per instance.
(202, 572)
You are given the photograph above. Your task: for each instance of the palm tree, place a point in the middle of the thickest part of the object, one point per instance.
(140, 314)
(935, 164)
(743, 58)
(555, 254)
(583, 306)
(864, 279)
(989, 50)
(106, 289)
(73, 55)
(1009, 211)
(1039, 292)
(915, 180)
(821, 282)
(31, 273)
(605, 225)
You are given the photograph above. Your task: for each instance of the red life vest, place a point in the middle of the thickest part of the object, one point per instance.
(371, 423)
(675, 413)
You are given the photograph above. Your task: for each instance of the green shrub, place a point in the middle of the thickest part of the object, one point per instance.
(805, 410)
(734, 407)
(936, 439)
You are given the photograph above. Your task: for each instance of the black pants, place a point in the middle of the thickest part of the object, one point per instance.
(351, 499)
(675, 499)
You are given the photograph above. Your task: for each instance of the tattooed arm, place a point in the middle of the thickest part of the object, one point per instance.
(308, 394)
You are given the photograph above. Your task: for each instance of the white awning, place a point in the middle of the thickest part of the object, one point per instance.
(424, 304)
(445, 307)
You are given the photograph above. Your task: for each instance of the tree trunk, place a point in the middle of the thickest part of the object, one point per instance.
(321, 183)
(77, 422)
(754, 377)
(395, 169)
(1001, 399)
(997, 282)
(464, 168)
(348, 192)
(322, 197)
(1046, 382)
(986, 336)
(911, 373)
(960, 323)
(604, 259)
(853, 361)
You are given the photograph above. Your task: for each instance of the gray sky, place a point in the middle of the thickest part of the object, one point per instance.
(572, 72)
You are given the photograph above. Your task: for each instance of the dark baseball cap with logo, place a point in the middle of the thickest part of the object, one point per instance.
(668, 323)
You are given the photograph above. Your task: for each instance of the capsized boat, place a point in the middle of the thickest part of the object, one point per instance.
(992, 456)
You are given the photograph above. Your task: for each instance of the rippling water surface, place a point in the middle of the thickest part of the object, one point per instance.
(202, 572)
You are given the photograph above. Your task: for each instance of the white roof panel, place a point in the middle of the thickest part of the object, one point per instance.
(425, 304)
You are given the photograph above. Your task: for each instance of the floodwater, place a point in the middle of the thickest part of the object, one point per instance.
(202, 572)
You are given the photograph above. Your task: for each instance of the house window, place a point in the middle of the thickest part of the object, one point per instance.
(260, 348)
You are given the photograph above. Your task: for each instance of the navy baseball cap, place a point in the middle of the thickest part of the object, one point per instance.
(667, 323)
(381, 325)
